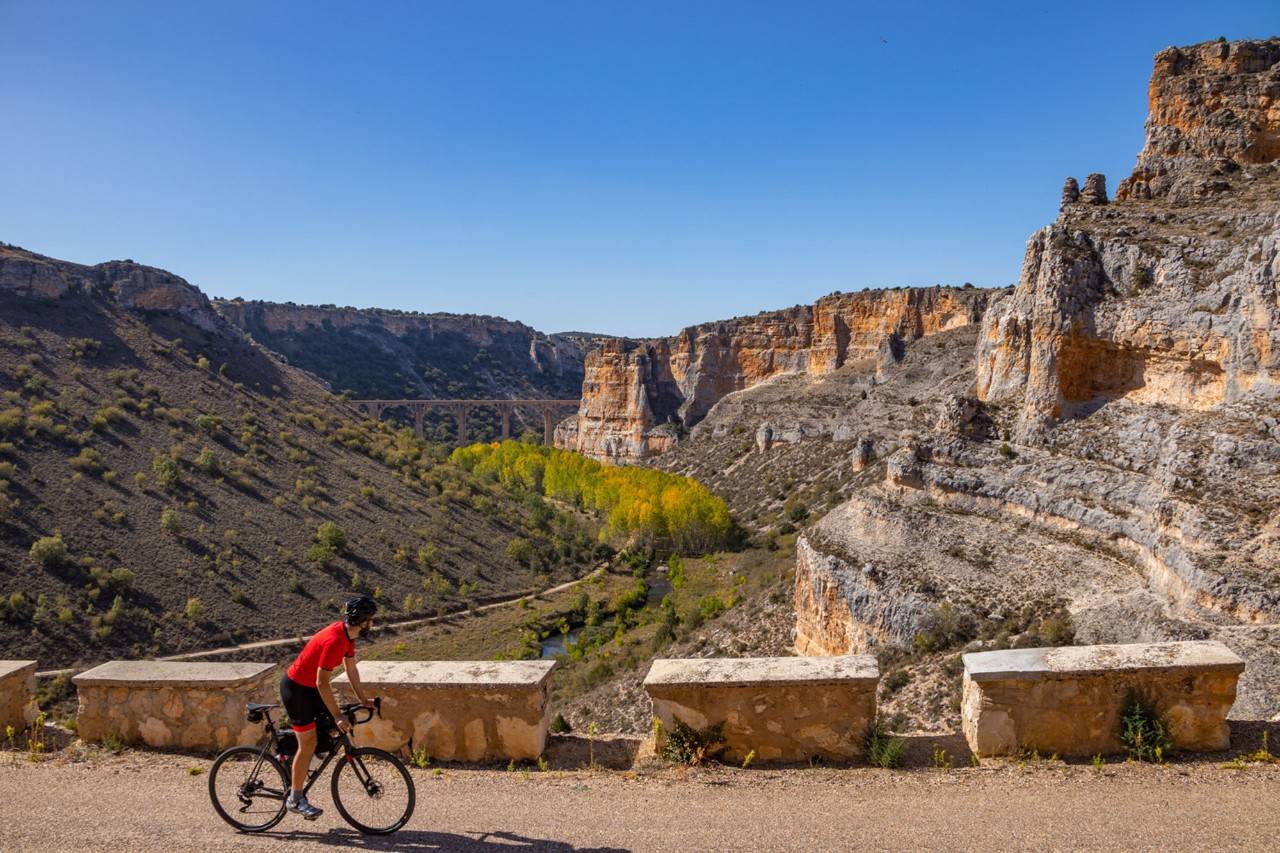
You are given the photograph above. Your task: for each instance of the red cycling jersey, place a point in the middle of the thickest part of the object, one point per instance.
(325, 650)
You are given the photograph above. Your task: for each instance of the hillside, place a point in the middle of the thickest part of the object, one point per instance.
(177, 475)
(383, 354)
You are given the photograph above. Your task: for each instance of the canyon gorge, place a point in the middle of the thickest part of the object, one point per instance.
(1093, 452)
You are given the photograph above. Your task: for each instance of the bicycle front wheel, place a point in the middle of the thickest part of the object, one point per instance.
(373, 791)
(248, 788)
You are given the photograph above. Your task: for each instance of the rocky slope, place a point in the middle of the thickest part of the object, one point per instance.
(383, 354)
(1129, 465)
(638, 398)
(168, 459)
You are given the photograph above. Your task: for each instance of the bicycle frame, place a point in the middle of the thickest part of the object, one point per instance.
(273, 744)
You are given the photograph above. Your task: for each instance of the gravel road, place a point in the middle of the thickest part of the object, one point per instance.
(139, 802)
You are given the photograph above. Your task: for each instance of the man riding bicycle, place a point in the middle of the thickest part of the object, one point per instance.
(307, 693)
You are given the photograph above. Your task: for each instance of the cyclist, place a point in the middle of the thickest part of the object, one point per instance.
(307, 694)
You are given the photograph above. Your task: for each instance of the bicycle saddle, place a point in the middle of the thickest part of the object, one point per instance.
(257, 706)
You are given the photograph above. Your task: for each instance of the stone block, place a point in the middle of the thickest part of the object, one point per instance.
(457, 710)
(782, 709)
(17, 694)
(1069, 700)
(172, 705)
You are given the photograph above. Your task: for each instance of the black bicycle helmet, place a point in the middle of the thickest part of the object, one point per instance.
(358, 609)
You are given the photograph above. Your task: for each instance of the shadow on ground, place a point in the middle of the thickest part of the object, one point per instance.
(414, 839)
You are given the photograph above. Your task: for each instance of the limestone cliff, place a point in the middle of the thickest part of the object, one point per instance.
(639, 397)
(401, 354)
(1171, 299)
(1213, 108)
(1131, 384)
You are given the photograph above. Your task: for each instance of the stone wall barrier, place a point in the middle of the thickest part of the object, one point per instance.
(1069, 700)
(458, 710)
(167, 704)
(783, 709)
(17, 694)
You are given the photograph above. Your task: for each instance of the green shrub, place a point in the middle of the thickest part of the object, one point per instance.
(882, 748)
(710, 607)
(208, 423)
(49, 551)
(795, 510)
(332, 536)
(194, 608)
(170, 521)
(88, 460)
(321, 555)
(675, 571)
(1146, 736)
(686, 745)
(166, 471)
(895, 681)
(560, 725)
(520, 550)
(207, 461)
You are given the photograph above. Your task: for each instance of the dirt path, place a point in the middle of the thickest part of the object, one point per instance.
(140, 802)
(292, 641)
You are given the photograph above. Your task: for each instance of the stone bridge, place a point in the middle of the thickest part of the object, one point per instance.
(461, 408)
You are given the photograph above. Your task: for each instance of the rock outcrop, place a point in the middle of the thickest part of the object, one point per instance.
(1213, 108)
(638, 398)
(134, 286)
(1130, 381)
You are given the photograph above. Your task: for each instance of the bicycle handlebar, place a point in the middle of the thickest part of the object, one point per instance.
(351, 709)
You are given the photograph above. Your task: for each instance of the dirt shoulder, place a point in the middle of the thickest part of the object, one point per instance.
(142, 801)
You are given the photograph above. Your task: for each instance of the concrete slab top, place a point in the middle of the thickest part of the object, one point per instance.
(730, 672)
(13, 667)
(475, 674)
(1015, 664)
(158, 673)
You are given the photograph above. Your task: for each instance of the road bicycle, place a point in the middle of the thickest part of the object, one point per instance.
(371, 788)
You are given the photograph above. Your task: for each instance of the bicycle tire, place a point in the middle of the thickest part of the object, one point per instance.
(248, 753)
(347, 763)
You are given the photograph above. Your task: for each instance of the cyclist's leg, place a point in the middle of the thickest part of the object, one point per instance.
(302, 761)
(300, 702)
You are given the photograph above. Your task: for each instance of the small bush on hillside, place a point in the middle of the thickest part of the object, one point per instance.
(209, 424)
(49, 551)
(194, 608)
(83, 347)
(520, 550)
(88, 460)
(207, 461)
(883, 749)
(795, 510)
(332, 536)
(1146, 736)
(166, 471)
(170, 521)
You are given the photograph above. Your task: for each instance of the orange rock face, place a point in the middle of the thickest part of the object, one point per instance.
(1217, 101)
(636, 398)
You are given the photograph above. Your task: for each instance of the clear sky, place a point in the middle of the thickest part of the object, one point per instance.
(623, 167)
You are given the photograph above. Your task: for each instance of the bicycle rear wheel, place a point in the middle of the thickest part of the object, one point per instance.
(373, 791)
(248, 788)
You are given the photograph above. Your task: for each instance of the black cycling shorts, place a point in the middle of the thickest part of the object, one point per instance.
(303, 703)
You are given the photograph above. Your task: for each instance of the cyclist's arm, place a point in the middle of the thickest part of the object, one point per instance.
(353, 675)
(323, 677)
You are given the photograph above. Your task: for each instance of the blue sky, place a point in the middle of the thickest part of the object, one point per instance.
(617, 167)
